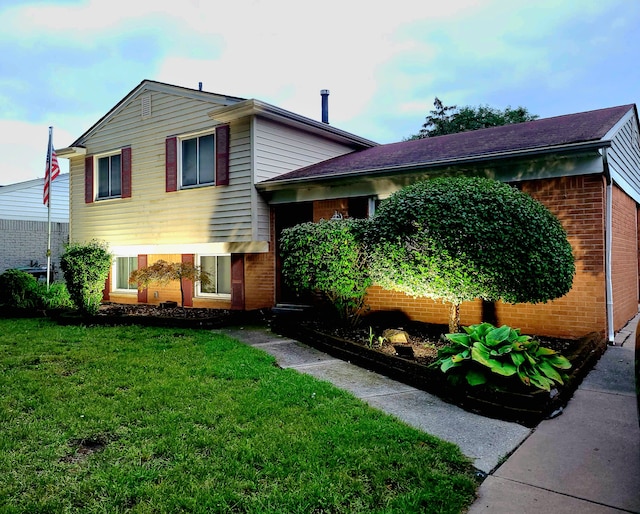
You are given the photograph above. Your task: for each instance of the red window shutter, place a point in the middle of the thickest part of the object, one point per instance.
(237, 281)
(143, 294)
(171, 163)
(187, 285)
(126, 172)
(107, 288)
(222, 155)
(88, 179)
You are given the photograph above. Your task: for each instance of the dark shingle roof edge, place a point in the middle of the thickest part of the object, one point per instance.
(560, 133)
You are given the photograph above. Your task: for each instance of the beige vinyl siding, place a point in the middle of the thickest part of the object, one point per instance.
(280, 149)
(153, 216)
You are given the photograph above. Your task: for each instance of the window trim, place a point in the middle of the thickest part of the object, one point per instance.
(198, 289)
(114, 275)
(190, 136)
(96, 174)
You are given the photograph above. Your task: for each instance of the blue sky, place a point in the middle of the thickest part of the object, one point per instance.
(66, 63)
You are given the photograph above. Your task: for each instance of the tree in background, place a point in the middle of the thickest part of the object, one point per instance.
(461, 238)
(451, 120)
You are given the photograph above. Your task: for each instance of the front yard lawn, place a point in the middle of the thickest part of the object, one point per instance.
(135, 419)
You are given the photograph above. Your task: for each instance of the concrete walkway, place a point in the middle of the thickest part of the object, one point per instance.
(588, 459)
(585, 460)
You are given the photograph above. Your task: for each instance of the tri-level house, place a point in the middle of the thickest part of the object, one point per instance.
(186, 175)
(169, 173)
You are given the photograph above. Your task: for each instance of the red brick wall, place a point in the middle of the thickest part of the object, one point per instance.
(624, 258)
(324, 209)
(579, 204)
(259, 280)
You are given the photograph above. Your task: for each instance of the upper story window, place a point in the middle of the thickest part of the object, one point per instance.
(109, 176)
(198, 161)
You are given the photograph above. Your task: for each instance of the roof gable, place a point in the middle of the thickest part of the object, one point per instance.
(547, 133)
(151, 85)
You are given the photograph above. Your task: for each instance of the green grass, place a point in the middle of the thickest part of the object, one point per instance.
(132, 419)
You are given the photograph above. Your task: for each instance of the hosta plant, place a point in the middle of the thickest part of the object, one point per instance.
(485, 350)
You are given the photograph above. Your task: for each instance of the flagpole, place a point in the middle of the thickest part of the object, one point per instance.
(50, 172)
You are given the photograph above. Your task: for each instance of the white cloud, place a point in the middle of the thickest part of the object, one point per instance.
(23, 148)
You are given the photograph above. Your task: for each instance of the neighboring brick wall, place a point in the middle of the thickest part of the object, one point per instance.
(579, 204)
(324, 209)
(24, 241)
(624, 258)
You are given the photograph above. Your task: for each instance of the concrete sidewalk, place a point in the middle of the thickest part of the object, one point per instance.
(586, 460)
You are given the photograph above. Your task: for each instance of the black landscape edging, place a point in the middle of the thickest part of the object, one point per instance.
(525, 407)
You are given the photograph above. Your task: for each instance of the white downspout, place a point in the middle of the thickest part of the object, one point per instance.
(608, 222)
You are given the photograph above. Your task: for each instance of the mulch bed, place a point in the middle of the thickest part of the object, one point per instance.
(506, 399)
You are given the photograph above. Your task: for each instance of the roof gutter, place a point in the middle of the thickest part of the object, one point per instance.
(608, 245)
(71, 151)
(275, 184)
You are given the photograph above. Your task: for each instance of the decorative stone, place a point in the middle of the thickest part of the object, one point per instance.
(394, 335)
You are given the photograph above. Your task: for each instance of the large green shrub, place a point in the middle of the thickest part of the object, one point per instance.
(86, 268)
(462, 238)
(328, 258)
(17, 289)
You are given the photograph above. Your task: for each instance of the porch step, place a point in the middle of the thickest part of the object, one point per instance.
(286, 308)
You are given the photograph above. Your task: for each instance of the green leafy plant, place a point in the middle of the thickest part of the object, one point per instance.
(328, 258)
(485, 350)
(22, 291)
(86, 268)
(456, 239)
(17, 289)
(56, 297)
(372, 337)
(163, 272)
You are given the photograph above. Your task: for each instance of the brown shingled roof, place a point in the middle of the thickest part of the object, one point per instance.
(543, 133)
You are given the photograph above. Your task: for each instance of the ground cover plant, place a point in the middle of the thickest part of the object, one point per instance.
(134, 419)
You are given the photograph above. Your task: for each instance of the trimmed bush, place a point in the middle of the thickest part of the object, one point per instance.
(86, 268)
(328, 258)
(462, 238)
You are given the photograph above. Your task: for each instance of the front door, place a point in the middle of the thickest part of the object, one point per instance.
(287, 216)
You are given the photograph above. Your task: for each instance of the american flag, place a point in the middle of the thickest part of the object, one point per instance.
(52, 169)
